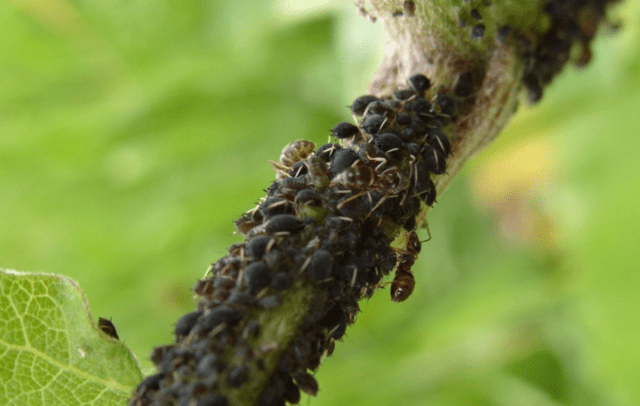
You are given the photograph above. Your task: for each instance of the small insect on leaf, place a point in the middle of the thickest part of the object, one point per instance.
(107, 327)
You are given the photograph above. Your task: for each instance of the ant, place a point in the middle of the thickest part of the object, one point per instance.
(403, 283)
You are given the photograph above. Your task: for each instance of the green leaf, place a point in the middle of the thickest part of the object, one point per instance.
(51, 351)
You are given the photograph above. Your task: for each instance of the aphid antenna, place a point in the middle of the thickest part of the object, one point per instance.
(262, 293)
(348, 219)
(355, 275)
(382, 200)
(282, 233)
(217, 330)
(305, 264)
(240, 276)
(272, 242)
(350, 199)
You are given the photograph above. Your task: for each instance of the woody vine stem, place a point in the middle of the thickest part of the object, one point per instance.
(340, 217)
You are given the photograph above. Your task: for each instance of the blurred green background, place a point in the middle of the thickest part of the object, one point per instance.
(133, 133)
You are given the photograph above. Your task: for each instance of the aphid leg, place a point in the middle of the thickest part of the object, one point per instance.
(350, 199)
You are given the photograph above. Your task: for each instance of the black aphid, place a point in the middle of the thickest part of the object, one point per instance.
(256, 275)
(150, 383)
(503, 33)
(435, 160)
(280, 281)
(387, 142)
(464, 85)
(381, 108)
(403, 94)
(307, 383)
(342, 159)
(219, 315)
(186, 323)
(345, 130)
(107, 327)
(209, 364)
(291, 391)
(440, 141)
(326, 151)
(256, 246)
(269, 302)
(477, 31)
(372, 123)
(237, 376)
(299, 168)
(403, 119)
(320, 265)
(534, 90)
(308, 196)
(283, 223)
(409, 8)
(360, 104)
(475, 14)
(213, 400)
(421, 107)
(412, 148)
(276, 205)
(447, 104)
(253, 328)
(420, 83)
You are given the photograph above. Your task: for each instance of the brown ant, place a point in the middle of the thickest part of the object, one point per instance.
(403, 283)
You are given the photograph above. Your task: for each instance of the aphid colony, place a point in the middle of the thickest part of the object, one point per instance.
(572, 25)
(325, 221)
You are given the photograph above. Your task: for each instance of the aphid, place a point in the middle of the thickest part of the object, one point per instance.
(387, 142)
(320, 265)
(237, 376)
(341, 160)
(403, 283)
(421, 107)
(269, 302)
(291, 185)
(318, 172)
(283, 223)
(503, 33)
(326, 151)
(464, 85)
(420, 83)
(299, 168)
(253, 328)
(403, 119)
(308, 197)
(358, 176)
(409, 8)
(209, 364)
(296, 151)
(256, 246)
(475, 14)
(245, 224)
(150, 383)
(373, 123)
(345, 130)
(307, 383)
(447, 104)
(219, 315)
(404, 94)
(440, 141)
(435, 160)
(534, 90)
(477, 31)
(213, 400)
(256, 275)
(379, 107)
(360, 104)
(280, 281)
(186, 323)
(291, 391)
(107, 327)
